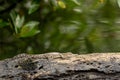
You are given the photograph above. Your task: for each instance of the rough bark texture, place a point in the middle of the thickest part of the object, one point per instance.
(61, 66)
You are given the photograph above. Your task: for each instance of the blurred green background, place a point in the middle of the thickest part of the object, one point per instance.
(40, 26)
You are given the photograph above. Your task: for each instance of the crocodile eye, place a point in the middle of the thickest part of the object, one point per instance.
(16, 66)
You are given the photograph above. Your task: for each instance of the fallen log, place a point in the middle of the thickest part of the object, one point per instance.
(61, 66)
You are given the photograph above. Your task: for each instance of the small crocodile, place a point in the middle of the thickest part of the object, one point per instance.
(61, 66)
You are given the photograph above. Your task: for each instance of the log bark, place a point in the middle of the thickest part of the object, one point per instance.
(61, 66)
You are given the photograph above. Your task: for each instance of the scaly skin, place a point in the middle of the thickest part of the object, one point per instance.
(60, 66)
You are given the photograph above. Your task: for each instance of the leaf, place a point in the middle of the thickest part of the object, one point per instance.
(118, 1)
(76, 2)
(13, 17)
(61, 4)
(29, 29)
(34, 7)
(32, 24)
(19, 21)
(26, 32)
(16, 21)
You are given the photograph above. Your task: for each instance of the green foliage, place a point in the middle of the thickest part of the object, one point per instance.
(16, 21)
(34, 6)
(22, 30)
(61, 4)
(29, 30)
(78, 26)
